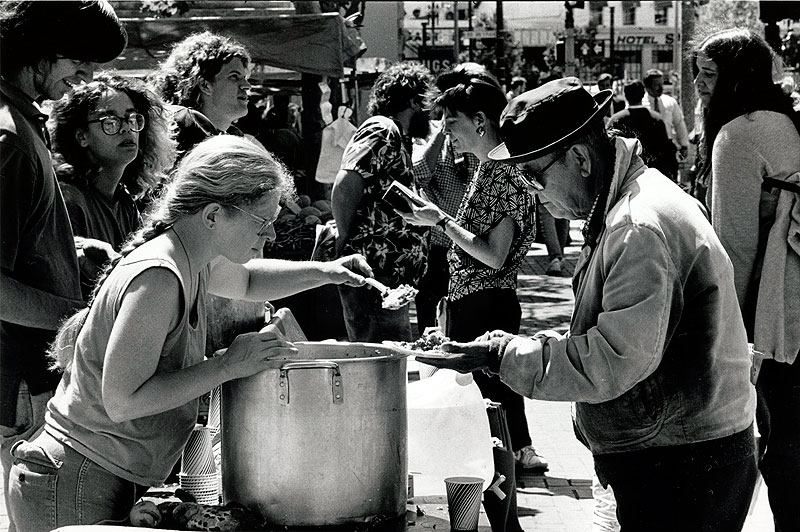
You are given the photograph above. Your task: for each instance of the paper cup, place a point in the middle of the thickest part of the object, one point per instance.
(197, 457)
(214, 409)
(426, 370)
(204, 488)
(464, 501)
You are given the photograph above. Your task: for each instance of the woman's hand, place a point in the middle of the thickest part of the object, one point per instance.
(349, 270)
(427, 215)
(250, 353)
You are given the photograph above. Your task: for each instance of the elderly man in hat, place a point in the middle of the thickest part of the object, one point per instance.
(45, 49)
(656, 358)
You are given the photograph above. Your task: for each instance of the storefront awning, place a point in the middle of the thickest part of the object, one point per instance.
(314, 44)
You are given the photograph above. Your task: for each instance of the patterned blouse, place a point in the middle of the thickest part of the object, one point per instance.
(397, 251)
(494, 193)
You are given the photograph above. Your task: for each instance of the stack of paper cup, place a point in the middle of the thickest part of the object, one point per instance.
(198, 470)
(464, 501)
(426, 370)
(214, 410)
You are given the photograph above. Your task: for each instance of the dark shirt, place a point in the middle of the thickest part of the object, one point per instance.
(194, 127)
(647, 126)
(92, 215)
(37, 247)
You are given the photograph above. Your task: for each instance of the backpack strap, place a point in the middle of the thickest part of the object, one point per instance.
(770, 183)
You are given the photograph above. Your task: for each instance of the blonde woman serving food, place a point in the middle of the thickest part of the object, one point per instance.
(134, 360)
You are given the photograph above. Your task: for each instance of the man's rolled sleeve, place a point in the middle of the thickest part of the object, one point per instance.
(523, 365)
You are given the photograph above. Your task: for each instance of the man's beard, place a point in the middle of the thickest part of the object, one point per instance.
(419, 126)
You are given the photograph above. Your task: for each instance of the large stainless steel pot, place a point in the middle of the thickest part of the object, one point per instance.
(321, 439)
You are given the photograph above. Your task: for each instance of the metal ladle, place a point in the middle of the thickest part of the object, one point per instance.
(390, 300)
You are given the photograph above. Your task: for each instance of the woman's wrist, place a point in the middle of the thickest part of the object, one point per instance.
(443, 222)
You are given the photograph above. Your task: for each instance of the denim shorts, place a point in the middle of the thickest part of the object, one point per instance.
(52, 485)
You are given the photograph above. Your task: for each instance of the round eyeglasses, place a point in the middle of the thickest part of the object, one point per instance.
(112, 124)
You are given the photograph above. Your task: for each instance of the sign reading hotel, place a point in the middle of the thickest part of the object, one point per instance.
(658, 38)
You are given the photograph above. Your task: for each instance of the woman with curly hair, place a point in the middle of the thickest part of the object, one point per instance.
(379, 153)
(206, 74)
(115, 138)
(751, 140)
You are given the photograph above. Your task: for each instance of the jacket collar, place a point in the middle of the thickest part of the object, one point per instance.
(24, 103)
(628, 165)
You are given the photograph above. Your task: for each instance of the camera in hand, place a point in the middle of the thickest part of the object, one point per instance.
(400, 197)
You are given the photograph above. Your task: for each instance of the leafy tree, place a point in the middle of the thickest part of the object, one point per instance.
(719, 14)
(511, 63)
(164, 8)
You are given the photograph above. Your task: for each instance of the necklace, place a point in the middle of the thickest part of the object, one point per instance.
(588, 237)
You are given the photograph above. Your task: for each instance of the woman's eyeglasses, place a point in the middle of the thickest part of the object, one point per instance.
(534, 179)
(264, 222)
(112, 124)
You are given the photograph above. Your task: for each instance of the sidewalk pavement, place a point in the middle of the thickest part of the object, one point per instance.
(561, 499)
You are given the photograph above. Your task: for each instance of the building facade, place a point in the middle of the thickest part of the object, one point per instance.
(626, 38)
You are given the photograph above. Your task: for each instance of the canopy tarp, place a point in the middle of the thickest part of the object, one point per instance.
(314, 44)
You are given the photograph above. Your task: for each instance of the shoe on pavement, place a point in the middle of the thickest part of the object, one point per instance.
(527, 458)
(554, 268)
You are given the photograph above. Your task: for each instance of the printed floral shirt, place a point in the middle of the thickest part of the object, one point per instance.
(397, 251)
(494, 193)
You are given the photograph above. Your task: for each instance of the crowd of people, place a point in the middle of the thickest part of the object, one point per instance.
(136, 201)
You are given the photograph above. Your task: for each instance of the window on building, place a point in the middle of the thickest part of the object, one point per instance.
(662, 58)
(631, 58)
(629, 13)
(596, 13)
(661, 12)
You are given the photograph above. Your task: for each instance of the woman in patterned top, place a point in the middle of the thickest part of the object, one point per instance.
(379, 153)
(492, 232)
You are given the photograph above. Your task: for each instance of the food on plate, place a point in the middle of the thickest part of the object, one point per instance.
(431, 340)
(396, 298)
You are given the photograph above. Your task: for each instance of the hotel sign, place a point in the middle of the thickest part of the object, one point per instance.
(658, 38)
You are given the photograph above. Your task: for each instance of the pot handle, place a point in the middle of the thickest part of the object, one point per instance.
(337, 390)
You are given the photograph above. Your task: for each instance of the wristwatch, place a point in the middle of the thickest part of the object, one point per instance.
(443, 223)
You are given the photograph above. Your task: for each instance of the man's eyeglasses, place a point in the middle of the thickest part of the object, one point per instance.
(111, 124)
(534, 179)
(264, 222)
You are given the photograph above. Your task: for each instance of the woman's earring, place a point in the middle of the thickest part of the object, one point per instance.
(481, 131)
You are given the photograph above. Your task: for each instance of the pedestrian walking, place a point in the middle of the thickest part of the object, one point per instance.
(751, 140)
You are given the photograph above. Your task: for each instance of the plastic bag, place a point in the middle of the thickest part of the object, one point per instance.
(448, 432)
(325, 242)
(335, 137)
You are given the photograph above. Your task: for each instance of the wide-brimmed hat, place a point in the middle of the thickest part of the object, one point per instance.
(542, 120)
(85, 30)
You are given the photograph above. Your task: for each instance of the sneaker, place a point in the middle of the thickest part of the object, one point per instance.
(527, 458)
(554, 268)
